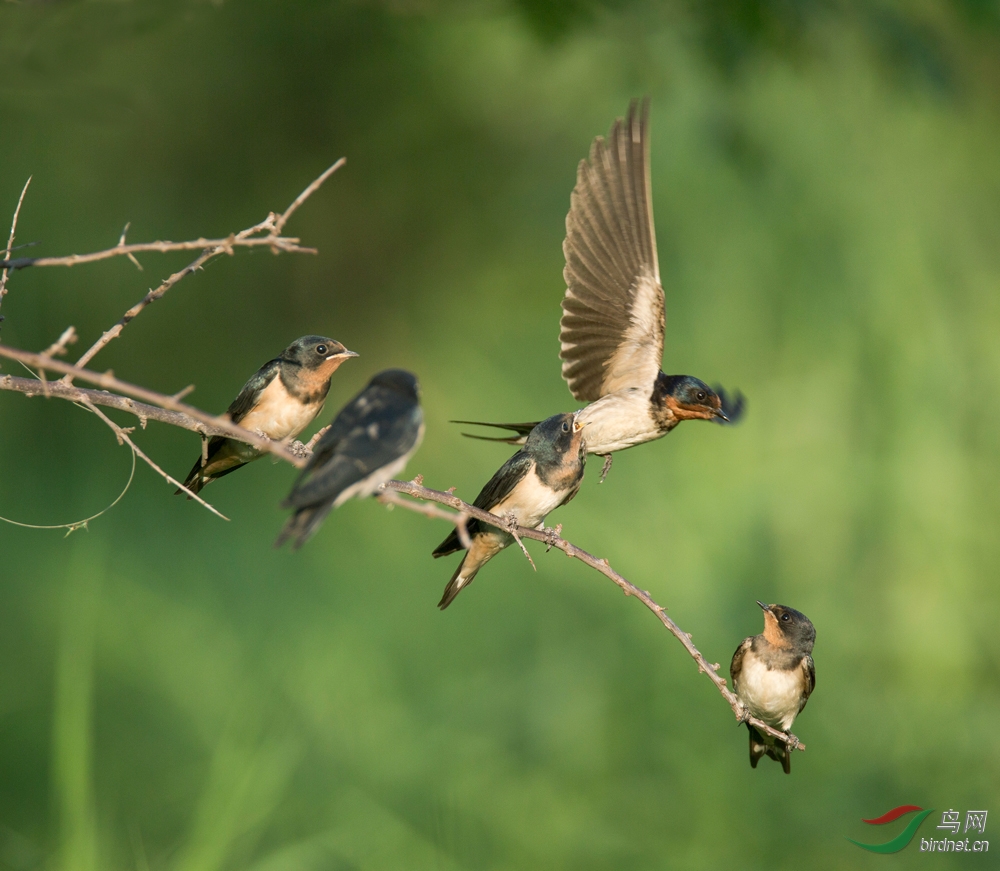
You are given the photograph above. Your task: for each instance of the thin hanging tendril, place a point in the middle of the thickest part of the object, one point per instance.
(78, 524)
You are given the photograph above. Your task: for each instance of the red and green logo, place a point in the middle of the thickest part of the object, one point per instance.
(904, 837)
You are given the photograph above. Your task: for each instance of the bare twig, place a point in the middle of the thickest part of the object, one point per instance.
(218, 425)
(281, 220)
(428, 509)
(312, 442)
(152, 296)
(288, 244)
(123, 438)
(272, 224)
(552, 539)
(10, 240)
(59, 346)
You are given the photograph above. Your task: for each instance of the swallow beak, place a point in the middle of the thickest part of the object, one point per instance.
(343, 355)
(764, 607)
(577, 423)
(722, 415)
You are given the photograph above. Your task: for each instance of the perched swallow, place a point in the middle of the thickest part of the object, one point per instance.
(611, 332)
(280, 400)
(543, 475)
(370, 441)
(773, 674)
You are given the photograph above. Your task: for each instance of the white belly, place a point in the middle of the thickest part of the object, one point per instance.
(530, 502)
(772, 695)
(276, 416)
(618, 421)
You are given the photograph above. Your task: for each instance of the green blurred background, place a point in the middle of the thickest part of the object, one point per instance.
(175, 694)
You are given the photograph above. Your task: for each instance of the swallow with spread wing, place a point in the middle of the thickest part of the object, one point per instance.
(611, 332)
(773, 674)
(543, 475)
(279, 401)
(370, 441)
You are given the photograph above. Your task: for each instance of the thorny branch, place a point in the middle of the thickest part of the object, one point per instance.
(197, 420)
(552, 539)
(170, 410)
(10, 240)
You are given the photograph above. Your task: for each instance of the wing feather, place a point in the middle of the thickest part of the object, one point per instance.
(611, 332)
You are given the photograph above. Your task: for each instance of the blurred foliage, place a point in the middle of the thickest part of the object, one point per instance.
(177, 695)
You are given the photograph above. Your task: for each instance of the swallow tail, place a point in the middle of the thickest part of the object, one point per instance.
(521, 431)
(777, 750)
(224, 456)
(455, 586)
(301, 526)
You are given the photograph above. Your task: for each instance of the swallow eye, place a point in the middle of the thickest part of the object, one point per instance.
(701, 396)
(565, 428)
(785, 617)
(321, 350)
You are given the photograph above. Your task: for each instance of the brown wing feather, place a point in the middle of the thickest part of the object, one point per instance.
(613, 313)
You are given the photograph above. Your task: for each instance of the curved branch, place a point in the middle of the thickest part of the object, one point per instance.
(552, 539)
(190, 417)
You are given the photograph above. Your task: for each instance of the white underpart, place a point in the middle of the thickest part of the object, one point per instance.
(772, 695)
(278, 417)
(367, 486)
(530, 491)
(619, 420)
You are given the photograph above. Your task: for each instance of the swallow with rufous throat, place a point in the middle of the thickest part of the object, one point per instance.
(279, 401)
(543, 475)
(773, 674)
(611, 332)
(370, 441)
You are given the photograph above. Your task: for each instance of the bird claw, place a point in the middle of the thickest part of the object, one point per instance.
(744, 715)
(551, 536)
(510, 521)
(607, 467)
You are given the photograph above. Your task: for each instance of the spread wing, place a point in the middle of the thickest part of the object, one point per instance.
(250, 394)
(613, 313)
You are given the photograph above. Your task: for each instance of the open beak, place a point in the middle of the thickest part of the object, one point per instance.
(577, 423)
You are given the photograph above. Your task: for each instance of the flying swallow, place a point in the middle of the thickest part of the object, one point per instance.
(611, 332)
(280, 400)
(370, 441)
(773, 674)
(543, 475)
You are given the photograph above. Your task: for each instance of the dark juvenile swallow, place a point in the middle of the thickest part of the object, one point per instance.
(773, 674)
(543, 475)
(280, 400)
(611, 332)
(370, 441)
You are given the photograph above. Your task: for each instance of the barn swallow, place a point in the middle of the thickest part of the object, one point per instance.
(611, 332)
(280, 400)
(370, 441)
(543, 475)
(773, 674)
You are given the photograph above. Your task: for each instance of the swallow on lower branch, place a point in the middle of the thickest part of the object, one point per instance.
(543, 475)
(773, 674)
